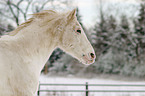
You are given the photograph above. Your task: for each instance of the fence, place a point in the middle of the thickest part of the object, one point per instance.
(86, 85)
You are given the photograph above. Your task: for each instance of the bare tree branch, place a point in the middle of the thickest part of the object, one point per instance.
(18, 7)
(26, 10)
(28, 6)
(16, 10)
(12, 11)
(39, 8)
(43, 5)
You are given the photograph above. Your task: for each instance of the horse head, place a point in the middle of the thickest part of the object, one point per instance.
(75, 42)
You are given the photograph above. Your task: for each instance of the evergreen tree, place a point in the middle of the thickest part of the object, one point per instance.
(105, 32)
(112, 25)
(140, 33)
(121, 35)
(101, 45)
(125, 39)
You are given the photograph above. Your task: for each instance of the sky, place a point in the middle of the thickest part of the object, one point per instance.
(88, 9)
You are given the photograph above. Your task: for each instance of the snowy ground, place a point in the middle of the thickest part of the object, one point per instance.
(72, 80)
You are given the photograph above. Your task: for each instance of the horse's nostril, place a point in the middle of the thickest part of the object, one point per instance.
(92, 55)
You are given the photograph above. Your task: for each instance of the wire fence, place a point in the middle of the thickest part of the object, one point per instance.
(87, 86)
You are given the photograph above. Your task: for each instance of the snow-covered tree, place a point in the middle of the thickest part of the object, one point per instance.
(101, 30)
(139, 28)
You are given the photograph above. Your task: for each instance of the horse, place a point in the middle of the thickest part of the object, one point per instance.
(24, 51)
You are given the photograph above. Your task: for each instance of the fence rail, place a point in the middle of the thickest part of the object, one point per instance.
(86, 85)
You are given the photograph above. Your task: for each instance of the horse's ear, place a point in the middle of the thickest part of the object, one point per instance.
(71, 15)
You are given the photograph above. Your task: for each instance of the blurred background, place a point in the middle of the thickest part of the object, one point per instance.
(115, 28)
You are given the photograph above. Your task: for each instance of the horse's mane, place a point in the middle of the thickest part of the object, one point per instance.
(50, 14)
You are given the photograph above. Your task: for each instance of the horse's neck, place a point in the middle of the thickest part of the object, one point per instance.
(34, 46)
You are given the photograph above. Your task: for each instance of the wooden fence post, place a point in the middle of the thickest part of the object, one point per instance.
(38, 92)
(87, 90)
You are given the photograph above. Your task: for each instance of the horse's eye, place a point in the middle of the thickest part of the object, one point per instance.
(79, 31)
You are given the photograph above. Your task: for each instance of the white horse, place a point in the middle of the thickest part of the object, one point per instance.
(24, 51)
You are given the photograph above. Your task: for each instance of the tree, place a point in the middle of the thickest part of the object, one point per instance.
(104, 31)
(121, 33)
(139, 28)
(17, 10)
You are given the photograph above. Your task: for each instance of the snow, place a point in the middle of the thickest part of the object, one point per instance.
(73, 80)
